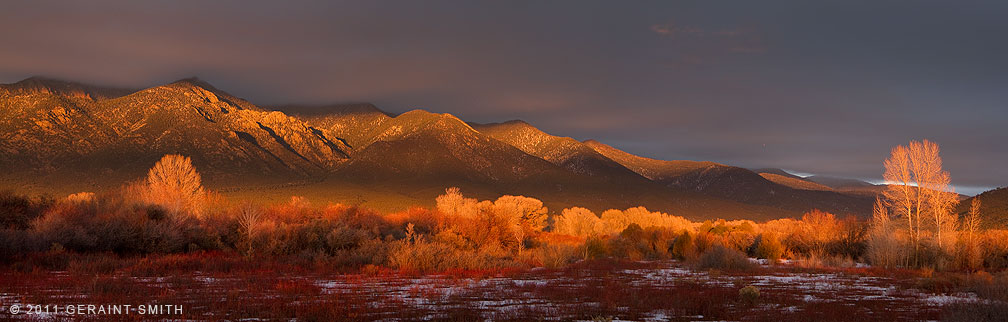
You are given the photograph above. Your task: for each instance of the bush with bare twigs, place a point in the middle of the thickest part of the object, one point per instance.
(722, 258)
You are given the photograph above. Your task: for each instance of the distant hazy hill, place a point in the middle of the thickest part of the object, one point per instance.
(779, 176)
(779, 172)
(734, 183)
(62, 137)
(855, 186)
(993, 207)
(840, 183)
(795, 183)
(57, 88)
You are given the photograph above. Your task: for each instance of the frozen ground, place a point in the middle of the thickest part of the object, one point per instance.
(651, 291)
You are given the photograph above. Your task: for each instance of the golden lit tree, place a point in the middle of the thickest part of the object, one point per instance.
(901, 193)
(451, 202)
(934, 184)
(919, 190)
(508, 220)
(971, 224)
(577, 221)
(884, 248)
(818, 229)
(941, 206)
(614, 221)
(174, 184)
(528, 212)
(972, 254)
(523, 214)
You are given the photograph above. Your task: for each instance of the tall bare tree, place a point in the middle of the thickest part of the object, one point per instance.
(919, 189)
(941, 205)
(971, 223)
(933, 183)
(902, 194)
(970, 250)
(883, 247)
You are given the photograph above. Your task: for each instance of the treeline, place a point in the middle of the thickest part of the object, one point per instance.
(512, 231)
(170, 212)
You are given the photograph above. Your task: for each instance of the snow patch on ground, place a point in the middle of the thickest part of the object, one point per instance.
(946, 299)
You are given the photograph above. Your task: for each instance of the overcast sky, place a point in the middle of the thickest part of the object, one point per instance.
(800, 85)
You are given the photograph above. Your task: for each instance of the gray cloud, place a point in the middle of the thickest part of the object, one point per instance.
(815, 87)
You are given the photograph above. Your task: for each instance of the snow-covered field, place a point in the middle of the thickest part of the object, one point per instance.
(648, 291)
(505, 296)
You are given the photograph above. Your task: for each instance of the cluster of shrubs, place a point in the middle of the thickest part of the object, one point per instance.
(472, 235)
(987, 250)
(818, 238)
(114, 224)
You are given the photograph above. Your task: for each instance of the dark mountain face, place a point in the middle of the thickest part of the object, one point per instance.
(993, 208)
(104, 137)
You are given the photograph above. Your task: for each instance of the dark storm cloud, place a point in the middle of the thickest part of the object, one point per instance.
(811, 87)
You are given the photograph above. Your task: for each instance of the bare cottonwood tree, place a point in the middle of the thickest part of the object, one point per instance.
(919, 190)
(901, 193)
(883, 247)
(941, 206)
(972, 254)
(174, 184)
(934, 186)
(971, 224)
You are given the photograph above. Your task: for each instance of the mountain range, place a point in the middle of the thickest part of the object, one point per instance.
(62, 137)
